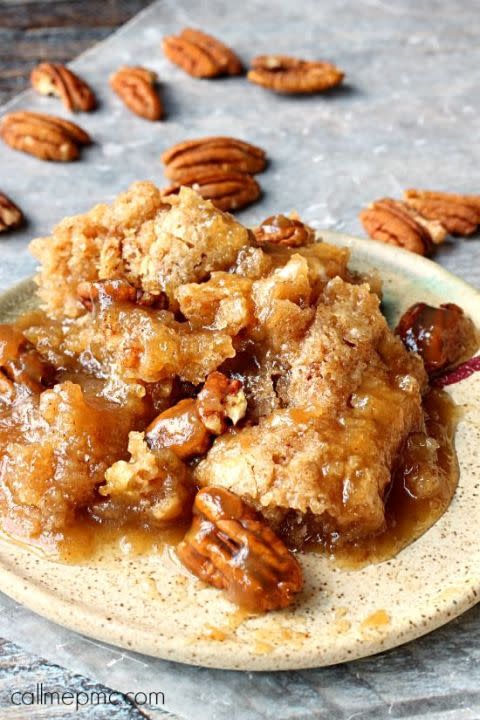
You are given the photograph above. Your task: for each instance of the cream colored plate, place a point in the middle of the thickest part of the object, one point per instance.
(151, 605)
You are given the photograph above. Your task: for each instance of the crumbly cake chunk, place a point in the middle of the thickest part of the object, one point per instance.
(155, 245)
(351, 397)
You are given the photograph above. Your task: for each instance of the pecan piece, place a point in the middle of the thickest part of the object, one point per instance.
(219, 399)
(185, 161)
(116, 290)
(45, 136)
(227, 191)
(55, 79)
(393, 222)
(11, 216)
(187, 427)
(201, 55)
(136, 87)
(441, 336)
(285, 74)
(21, 364)
(459, 214)
(231, 547)
(282, 230)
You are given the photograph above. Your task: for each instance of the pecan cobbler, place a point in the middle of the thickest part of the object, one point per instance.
(241, 387)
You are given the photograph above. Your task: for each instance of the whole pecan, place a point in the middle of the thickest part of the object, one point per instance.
(228, 191)
(55, 79)
(230, 547)
(459, 214)
(45, 136)
(441, 336)
(21, 364)
(285, 74)
(201, 55)
(395, 223)
(136, 87)
(282, 230)
(186, 160)
(11, 216)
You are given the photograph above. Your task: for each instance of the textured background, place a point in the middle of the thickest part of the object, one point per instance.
(407, 116)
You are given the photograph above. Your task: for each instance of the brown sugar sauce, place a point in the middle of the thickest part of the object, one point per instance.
(408, 514)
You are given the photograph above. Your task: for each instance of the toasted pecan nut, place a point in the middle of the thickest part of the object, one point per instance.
(45, 136)
(201, 55)
(56, 79)
(230, 547)
(282, 230)
(441, 336)
(187, 427)
(136, 87)
(116, 290)
(186, 160)
(228, 191)
(220, 399)
(21, 364)
(285, 74)
(459, 214)
(181, 429)
(393, 222)
(11, 216)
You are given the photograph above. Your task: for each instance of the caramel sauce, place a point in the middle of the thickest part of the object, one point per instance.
(408, 515)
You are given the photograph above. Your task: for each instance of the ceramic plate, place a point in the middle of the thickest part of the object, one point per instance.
(151, 605)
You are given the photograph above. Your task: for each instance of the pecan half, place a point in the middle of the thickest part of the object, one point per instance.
(55, 79)
(136, 87)
(395, 223)
(285, 74)
(187, 427)
(459, 214)
(201, 55)
(11, 216)
(441, 336)
(45, 136)
(186, 160)
(228, 191)
(21, 365)
(282, 230)
(230, 547)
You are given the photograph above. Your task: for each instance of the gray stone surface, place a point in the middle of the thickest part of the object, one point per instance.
(409, 115)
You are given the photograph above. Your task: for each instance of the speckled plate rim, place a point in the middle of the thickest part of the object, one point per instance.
(333, 621)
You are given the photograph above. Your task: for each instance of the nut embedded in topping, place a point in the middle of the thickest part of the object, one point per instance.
(219, 399)
(282, 230)
(230, 547)
(187, 427)
(181, 429)
(56, 79)
(20, 364)
(116, 290)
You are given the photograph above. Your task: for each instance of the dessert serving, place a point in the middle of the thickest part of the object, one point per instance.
(234, 393)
